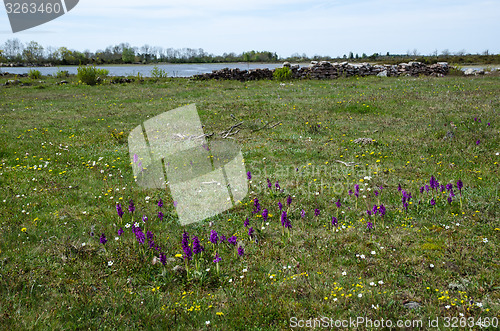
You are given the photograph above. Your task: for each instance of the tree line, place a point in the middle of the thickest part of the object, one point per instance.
(33, 53)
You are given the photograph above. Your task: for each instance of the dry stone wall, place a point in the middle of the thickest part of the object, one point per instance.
(328, 70)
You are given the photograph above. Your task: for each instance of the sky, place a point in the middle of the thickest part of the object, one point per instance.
(314, 27)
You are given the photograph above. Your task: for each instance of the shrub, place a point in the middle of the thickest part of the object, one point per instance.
(158, 73)
(282, 74)
(34, 74)
(62, 73)
(91, 75)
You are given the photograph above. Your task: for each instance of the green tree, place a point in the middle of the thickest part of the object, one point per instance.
(128, 55)
(33, 53)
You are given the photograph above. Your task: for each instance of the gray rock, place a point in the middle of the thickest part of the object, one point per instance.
(363, 141)
(469, 72)
(456, 287)
(412, 305)
(382, 74)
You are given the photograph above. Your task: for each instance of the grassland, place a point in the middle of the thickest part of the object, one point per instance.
(64, 165)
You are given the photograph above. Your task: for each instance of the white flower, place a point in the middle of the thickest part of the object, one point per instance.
(127, 225)
(136, 224)
(242, 276)
(381, 282)
(245, 270)
(461, 314)
(360, 295)
(447, 227)
(367, 177)
(263, 228)
(375, 307)
(447, 306)
(373, 252)
(207, 322)
(362, 256)
(344, 273)
(485, 240)
(431, 265)
(83, 244)
(368, 189)
(364, 196)
(334, 299)
(207, 270)
(117, 238)
(110, 263)
(479, 304)
(231, 280)
(372, 284)
(497, 154)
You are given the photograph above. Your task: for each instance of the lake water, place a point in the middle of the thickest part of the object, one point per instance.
(173, 70)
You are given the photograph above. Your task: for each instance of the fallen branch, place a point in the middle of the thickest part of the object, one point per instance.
(347, 164)
(227, 132)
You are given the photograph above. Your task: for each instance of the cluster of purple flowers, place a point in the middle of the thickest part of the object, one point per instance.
(139, 235)
(256, 205)
(285, 222)
(405, 199)
(131, 207)
(214, 237)
(188, 254)
(265, 215)
(119, 210)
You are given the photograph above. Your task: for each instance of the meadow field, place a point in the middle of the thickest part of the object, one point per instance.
(401, 226)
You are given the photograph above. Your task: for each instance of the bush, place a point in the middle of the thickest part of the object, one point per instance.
(282, 74)
(158, 73)
(34, 74)
(62, 73)
(91, 75)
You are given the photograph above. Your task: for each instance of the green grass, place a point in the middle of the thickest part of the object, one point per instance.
(64, 165)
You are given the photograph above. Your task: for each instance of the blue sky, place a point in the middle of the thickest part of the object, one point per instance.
(312, 27)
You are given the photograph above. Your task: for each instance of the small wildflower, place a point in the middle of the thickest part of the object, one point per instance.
(103, 239)
(250, 232)
(485, 240)
(131, 207)
(241, 251)
(119, 210)
(217, 258)
(316, 212)
(110, 263)
(160, 215)
(289, 200)
(246, 223)
(265, 215)
(249, 175)
(214, 237)
(303, 213)
(160, 203)
(232, 240)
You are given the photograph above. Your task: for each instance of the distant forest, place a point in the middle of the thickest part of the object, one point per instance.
(15, 52)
